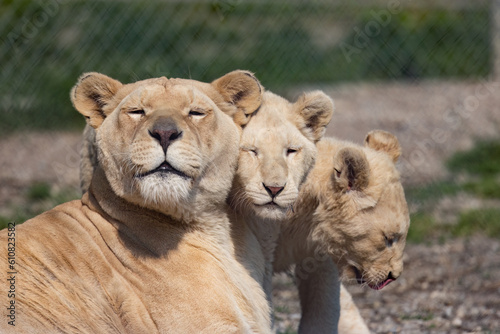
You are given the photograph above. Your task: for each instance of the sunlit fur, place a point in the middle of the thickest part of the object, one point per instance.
(142, 153)
(278, 149)
(276, 153)
(264, 160)
(146, 249)
(362, 227)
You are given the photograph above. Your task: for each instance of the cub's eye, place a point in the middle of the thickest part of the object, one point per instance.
(139, 112)
(252, 151)
(291, 151)
(389, 241)
(196, 113)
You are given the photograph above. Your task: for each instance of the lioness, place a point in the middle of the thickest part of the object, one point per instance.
(147, 249)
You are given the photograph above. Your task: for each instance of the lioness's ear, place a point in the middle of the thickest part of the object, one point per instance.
(384, 141)
(351, 169)
(315, 110)
(91, 94)
(242, 89)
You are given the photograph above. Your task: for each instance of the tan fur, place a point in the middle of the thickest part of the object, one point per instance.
(278, 150)
(382, 140)
(350, 319)
(264, 160)
(143, 252)
(363, 224)
(237, 88)
(275, 152)
(352, 210)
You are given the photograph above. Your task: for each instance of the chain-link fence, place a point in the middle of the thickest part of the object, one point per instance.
(47, 44)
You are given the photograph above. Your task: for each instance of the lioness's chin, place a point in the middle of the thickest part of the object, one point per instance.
(168, 188)
(270, 211)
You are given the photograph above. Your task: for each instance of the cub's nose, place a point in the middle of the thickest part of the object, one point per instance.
(392, 276)
(165, 131)
(273, 191)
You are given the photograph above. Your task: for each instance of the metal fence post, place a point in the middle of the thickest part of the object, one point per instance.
(495, 35)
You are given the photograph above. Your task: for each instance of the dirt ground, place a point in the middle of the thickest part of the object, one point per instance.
(448, 288)
(452, 287)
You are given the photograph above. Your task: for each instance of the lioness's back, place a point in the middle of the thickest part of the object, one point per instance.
(50, 284)
(72, 275)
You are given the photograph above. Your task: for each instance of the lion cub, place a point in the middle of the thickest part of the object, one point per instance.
(351, 209)
(147, 249)
(277, 152)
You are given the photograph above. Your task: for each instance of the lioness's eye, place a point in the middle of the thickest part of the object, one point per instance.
(137, 112)
(196, 113)
(291, 151)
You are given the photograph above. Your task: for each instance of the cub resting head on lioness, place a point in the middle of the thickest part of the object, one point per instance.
(147, 249)
(277, 154)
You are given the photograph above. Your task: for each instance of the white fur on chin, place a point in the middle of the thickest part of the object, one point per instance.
(165, 190)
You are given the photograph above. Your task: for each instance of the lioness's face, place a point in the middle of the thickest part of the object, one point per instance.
(161, 139)
(275, 158)
(168, 145)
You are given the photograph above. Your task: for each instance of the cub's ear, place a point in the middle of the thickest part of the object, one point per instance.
(384, 141)
(351, 169)
(315, 110)
(91, 95)
(242, 89)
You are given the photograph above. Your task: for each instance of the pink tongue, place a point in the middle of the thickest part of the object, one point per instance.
(381, 286)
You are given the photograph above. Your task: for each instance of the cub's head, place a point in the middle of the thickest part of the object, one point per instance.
(362, 209)
(167, 145)
(277, 152)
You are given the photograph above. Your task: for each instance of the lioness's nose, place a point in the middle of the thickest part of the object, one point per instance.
(273, 191)
(165, 131)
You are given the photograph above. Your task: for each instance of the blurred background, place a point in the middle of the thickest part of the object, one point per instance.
(427, 71)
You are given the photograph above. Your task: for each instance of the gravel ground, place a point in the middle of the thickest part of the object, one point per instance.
(446, 288)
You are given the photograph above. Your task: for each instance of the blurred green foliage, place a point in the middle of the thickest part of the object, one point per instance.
(485, 221)
(480, 169)
(421, 43)
(433, 191)
(482, 160)
(39, 191)
(422, 228)
(487, 187)
(47, 45)
(38, 198)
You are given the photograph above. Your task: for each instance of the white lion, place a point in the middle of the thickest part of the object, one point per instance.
(278, 152)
